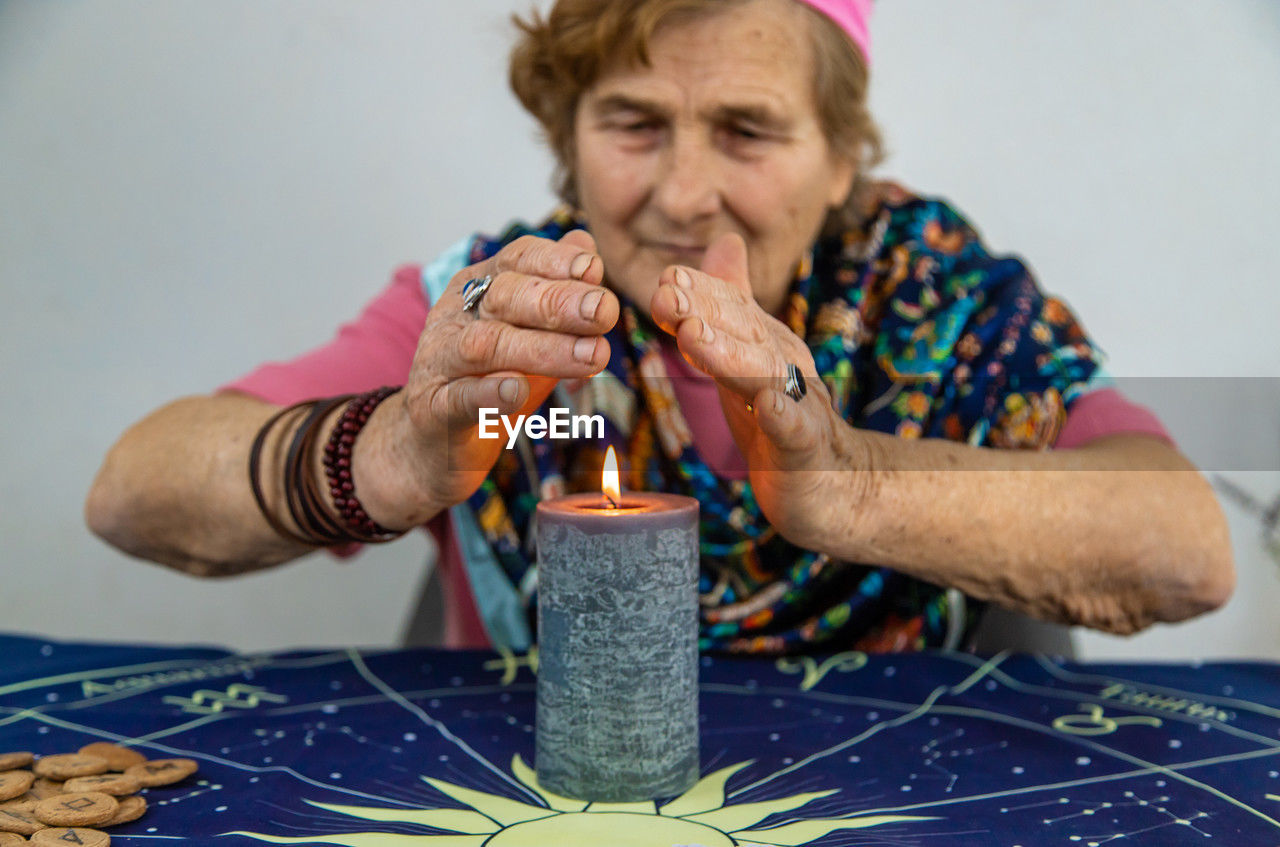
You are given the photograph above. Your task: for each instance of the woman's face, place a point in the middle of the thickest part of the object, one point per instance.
(720, 134)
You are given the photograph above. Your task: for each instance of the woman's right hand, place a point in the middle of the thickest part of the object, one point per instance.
(542, 320)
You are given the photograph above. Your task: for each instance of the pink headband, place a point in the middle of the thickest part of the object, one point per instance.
(852, 16)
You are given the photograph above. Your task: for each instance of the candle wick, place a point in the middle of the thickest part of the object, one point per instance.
(612, 503)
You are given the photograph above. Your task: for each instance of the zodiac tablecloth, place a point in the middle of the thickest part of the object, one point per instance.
(371, 748)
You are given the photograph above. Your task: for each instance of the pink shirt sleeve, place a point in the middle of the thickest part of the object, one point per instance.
(373, 350)
(1105, 411)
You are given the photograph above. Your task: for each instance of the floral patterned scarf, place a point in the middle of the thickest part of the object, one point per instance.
(916, 330)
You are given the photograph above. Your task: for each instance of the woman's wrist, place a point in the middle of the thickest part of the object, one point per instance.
(338, 470)
(839, 514)
(392, 469)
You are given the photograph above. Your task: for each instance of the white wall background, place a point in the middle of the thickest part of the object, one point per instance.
(187, 189)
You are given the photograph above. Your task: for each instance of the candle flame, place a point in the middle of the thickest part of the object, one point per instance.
(609, 484)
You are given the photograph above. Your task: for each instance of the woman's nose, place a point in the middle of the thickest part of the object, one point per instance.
(688, 183)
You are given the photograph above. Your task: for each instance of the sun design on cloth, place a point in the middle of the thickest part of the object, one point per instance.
(697, 818)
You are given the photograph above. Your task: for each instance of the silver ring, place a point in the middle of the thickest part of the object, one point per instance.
(473, 292)
(795, 387)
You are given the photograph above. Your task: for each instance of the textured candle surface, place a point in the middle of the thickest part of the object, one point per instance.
(617, 716)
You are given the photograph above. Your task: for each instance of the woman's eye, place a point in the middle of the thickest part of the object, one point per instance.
(746, 132)
(636, 125)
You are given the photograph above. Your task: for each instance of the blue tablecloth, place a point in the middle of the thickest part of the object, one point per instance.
(426, 747)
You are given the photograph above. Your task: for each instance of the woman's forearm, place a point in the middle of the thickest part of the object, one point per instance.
(1116, 535)
(175, 487)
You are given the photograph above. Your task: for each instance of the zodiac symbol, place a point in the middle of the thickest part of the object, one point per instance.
(218, 700)
(1095, 724)
(510, 663)
(814, 672)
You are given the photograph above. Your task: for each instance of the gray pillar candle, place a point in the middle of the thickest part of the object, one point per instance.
(617, 716)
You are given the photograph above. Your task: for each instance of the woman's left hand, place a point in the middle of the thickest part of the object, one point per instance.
(795, 450)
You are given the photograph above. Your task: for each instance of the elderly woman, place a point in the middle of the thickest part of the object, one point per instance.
(860, 395)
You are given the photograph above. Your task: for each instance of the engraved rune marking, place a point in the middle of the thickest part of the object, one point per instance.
(71, 837)
(1095, 724)
(79, 804)
(814, 672)
(206, 702)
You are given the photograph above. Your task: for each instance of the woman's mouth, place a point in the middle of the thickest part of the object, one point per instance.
(685, 253)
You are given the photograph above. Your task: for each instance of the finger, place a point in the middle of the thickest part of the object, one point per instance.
(726, 258)
(509, 392)
(742, 368)
(470, 400)
(668, 306)
(464, 397)
(569, 258)
(581, 239)
(560, 305)
(692, 279)
(741, 318)
(484, 346)
(792, 427)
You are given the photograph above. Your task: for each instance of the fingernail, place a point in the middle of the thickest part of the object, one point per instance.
(584, 349)
(509, 389)
(683, 279)
(590, 303)
(580, 265)
(682, 301)
(778, 403)
(708, 335)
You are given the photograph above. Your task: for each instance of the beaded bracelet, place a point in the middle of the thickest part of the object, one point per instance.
(303, 497)
(337, 466)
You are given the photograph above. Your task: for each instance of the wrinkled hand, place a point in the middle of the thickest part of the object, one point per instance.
(794, 450)
(542, 320)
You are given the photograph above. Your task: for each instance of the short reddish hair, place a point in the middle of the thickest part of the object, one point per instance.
(561, 55)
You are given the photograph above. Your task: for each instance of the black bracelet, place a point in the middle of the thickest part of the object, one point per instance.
(255, 483)
(306, 506)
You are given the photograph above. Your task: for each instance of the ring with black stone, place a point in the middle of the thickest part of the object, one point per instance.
(795, 387)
